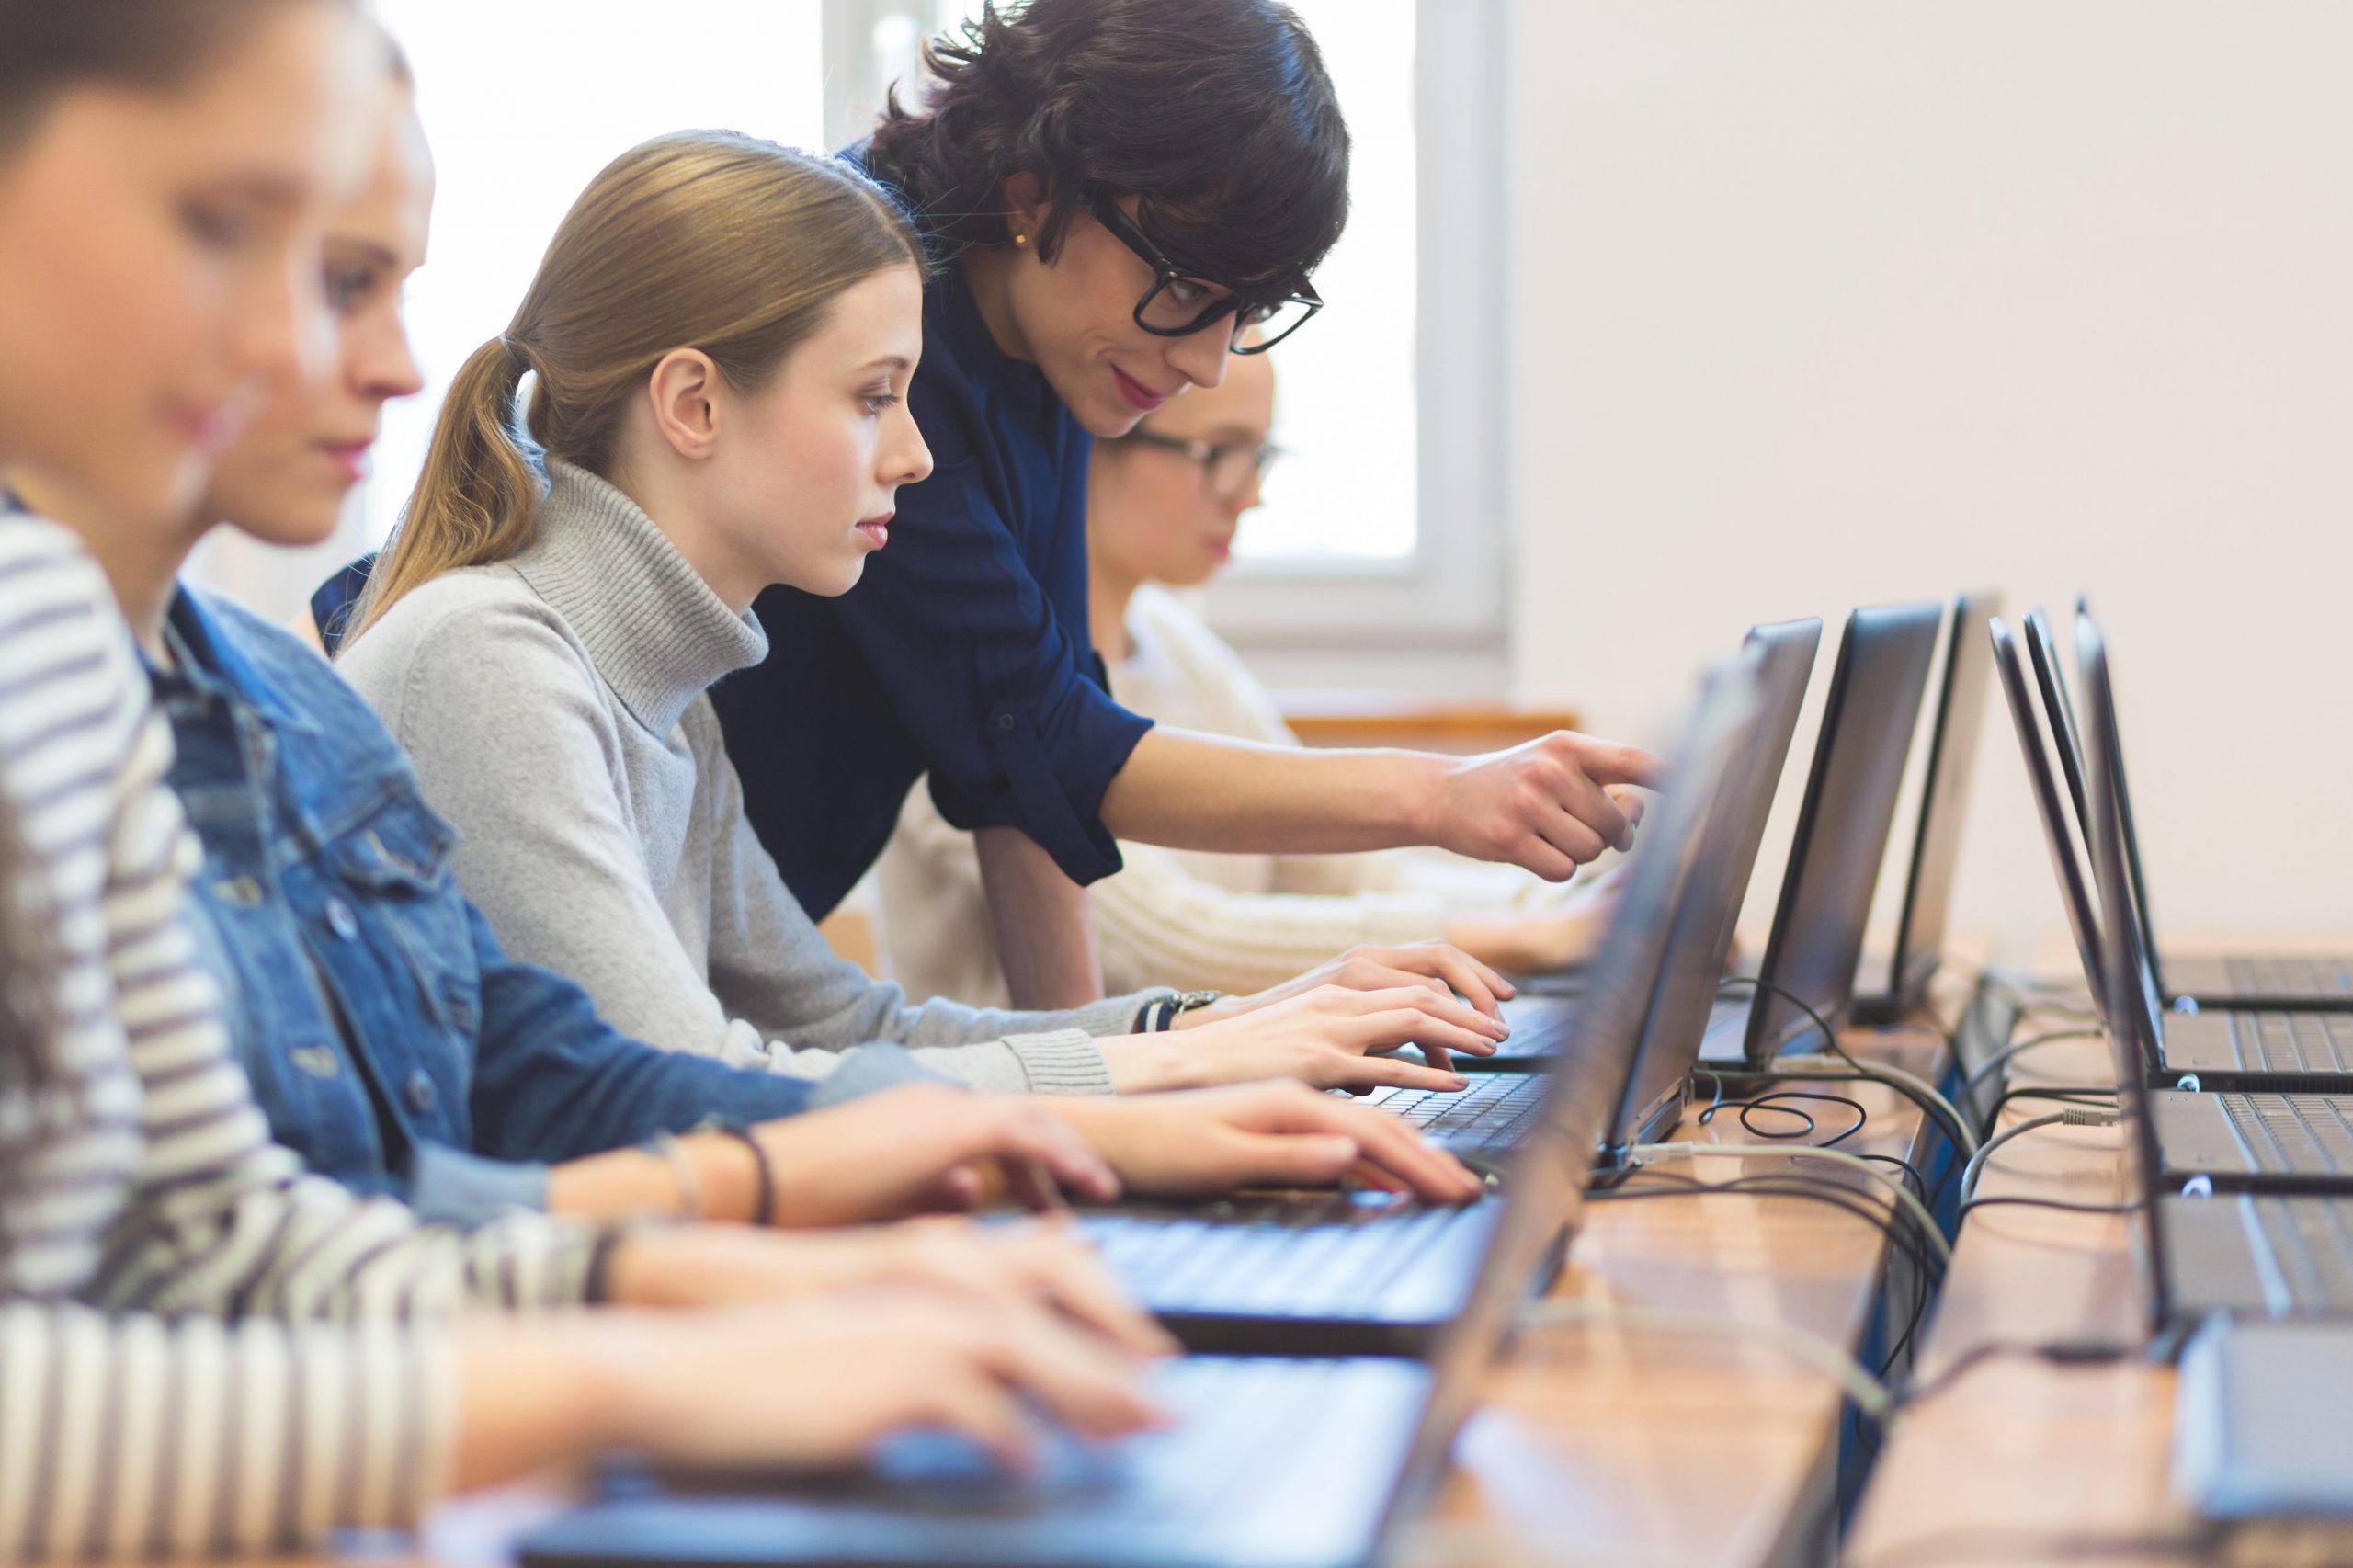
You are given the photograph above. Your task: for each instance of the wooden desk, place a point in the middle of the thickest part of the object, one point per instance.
(1611, 1444)
(2019, 1452)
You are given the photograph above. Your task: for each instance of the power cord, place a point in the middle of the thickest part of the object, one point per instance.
(2003, 1057)
(1870, 1395)
(1910, 1085)
(2065, 1207)
(2057, 1353)
(2074, 1116)
(1652, 1154)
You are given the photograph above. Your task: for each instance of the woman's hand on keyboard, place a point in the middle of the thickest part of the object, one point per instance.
(924, 1148)
(1438, 966)
(1213, 1140)
(812, 1384)
(1331, 1038)
(704, 1266)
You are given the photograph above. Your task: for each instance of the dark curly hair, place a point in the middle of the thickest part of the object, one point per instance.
(1217, 114)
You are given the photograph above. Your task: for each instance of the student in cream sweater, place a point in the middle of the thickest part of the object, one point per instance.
(1163, 504)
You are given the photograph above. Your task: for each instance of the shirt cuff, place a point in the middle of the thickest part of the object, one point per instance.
(869, 1070)
(450, 1186)
(1117, 1015)
(1066, 1062)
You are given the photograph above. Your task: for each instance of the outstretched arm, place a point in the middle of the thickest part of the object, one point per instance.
(1543, 805)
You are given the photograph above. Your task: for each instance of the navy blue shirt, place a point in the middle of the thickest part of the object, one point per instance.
(964, 651)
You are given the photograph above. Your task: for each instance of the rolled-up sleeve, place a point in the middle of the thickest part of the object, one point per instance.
(985, 668)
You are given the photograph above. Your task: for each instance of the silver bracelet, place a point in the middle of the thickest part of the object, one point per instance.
(682, 1165)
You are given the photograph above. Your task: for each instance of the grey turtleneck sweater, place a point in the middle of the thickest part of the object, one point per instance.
(554, 705)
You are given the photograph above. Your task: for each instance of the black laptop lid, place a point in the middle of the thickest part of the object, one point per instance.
(1781, 657)
(2058, 702)
(2132, 1017)
(1944, 798)
(1545, 1185)
(1876, 690)
(2058, 837)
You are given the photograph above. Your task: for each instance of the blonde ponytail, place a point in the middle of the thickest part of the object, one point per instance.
(704, 239)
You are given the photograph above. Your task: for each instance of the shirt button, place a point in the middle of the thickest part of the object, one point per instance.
(418, 1092)
(315, 1060)
(1005, 724)
(341, 921)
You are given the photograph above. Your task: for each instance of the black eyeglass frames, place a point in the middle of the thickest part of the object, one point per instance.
(1229, 471)
(1177, 304)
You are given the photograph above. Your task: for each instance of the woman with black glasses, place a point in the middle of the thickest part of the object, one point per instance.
(1115, 193)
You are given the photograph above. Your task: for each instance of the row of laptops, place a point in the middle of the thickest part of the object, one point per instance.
(1356, 1329)
(1814, 963)
(2240, 1180)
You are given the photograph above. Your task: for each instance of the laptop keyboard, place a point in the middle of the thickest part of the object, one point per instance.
(1152, 1476)
(1276, 1257)
(1495, 1112)
(2294, 1042)
(2292, 1133)
(2325, 979)
(2311, 1241)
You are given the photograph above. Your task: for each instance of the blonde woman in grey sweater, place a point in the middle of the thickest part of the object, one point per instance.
(719, 341)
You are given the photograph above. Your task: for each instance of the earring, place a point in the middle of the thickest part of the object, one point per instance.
(1021, 239)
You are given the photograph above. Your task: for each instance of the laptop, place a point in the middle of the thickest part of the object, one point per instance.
(1270, 1462)
(2258, 1444)
(1876, 689)
(2255, 981)
(2203, 1249)
(2270, 1052)
(1487, 1116)
(1364, 1273)
(1893, 986)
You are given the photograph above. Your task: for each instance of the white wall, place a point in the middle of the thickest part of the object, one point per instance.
(1829, 302)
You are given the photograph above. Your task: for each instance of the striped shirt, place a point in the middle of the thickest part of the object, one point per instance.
(203, 1348)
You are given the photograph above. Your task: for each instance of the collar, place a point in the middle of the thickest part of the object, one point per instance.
(208, 661)
(658, 635)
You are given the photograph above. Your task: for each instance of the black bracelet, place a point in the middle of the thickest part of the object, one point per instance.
(764, 1198)
(597, 1286)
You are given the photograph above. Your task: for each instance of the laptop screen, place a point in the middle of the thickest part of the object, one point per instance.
(2133, 1024)
(2043, 646)
(1867, 721)
(1783, 658)
(1944, 799)
(1545, 1185)
(2058, 836)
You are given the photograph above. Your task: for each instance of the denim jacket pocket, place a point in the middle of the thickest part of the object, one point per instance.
(397, 862)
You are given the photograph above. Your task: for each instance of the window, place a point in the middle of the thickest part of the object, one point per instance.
(1383, 532)
(1379, 557)
(525, 101)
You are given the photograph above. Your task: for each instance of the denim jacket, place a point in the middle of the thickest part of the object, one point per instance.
(386, 1034)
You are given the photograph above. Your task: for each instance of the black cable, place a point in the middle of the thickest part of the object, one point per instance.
(1897, 1224)
(1772, 1102)
(2057, 1353)
(1929, 1107)
(1919, 1182)
(2008, 1203)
